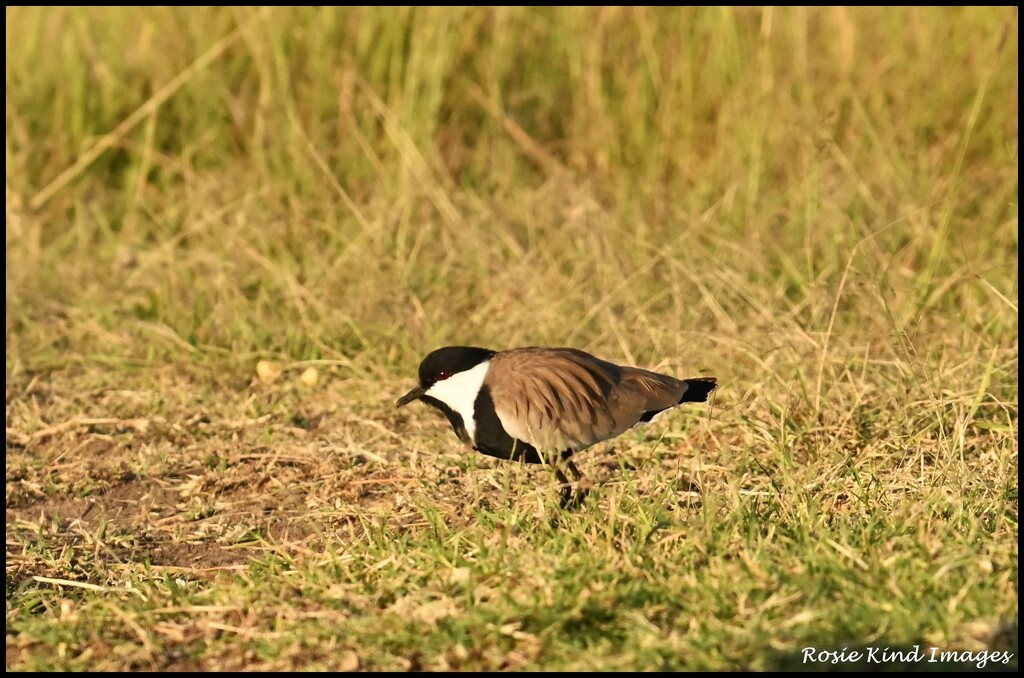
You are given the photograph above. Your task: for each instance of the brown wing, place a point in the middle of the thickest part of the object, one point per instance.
(566, 399)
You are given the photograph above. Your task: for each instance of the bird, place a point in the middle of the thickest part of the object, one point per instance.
(542, 405)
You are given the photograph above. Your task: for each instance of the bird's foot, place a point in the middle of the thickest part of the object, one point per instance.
(573, 500)
(583, 485)
(579, 497)
(566, 493)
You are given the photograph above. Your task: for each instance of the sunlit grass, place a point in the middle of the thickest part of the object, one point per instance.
(818, 206)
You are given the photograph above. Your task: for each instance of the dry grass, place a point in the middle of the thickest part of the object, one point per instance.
(817, 206)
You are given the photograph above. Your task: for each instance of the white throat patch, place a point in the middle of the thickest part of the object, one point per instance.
(459, 392)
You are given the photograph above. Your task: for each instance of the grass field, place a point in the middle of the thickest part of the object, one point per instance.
(232, 234)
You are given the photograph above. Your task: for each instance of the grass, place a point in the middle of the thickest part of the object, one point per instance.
(232, 234)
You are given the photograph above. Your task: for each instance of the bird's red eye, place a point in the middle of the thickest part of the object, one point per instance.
(441, 376)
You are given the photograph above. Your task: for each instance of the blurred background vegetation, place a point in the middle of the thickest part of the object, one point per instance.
(368, 183)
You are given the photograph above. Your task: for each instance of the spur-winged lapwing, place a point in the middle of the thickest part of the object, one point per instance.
(524, 402)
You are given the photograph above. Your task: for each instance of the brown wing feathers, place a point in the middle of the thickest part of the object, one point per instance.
(573, 398)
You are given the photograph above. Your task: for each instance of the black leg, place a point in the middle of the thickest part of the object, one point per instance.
(570, 500)
(564, 488)
(581, 492)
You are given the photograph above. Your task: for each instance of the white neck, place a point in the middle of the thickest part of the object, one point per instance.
(459, 392)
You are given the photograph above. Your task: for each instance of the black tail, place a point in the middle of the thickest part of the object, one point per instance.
(697, 390)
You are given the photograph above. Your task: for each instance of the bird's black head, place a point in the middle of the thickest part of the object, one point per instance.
(442, 364)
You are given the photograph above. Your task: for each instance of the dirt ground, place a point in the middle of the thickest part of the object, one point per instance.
(183, 489)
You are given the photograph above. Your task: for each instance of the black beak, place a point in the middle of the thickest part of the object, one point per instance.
(412, 395)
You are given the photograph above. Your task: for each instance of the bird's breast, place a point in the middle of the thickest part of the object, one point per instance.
(492, 439)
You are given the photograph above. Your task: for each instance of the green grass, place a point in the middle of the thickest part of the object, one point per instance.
(818, 206)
